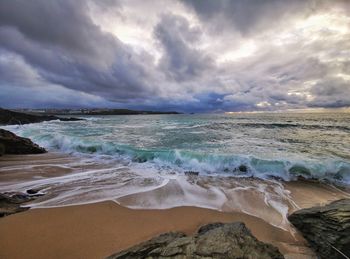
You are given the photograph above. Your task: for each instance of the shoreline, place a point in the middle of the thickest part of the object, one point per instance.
(100, 229)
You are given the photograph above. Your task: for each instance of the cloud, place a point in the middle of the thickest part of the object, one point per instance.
(19, 81)
(191, 55)
(181, 59)
(68, 49)
(331, 93)
(248, 16)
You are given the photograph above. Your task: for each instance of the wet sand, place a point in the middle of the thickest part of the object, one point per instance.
(307, 194)
(100, 229)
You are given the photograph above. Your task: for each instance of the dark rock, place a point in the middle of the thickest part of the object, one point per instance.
(243, 168)
(8, 117)
(218, 240)
(32, 191)
(327, 228)
(191, 173)
(10, 204)
(68, 119)
(143, 158)
(2, 149)
(14, 144)
(139, 159)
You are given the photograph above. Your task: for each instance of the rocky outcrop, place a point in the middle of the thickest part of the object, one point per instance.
(8, 117)
(10, 143)
(11, 203)
(327, 228)
(218, 240)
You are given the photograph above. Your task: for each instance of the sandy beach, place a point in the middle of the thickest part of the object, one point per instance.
(99, 229)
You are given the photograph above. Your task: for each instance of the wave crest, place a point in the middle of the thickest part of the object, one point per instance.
(204, 163)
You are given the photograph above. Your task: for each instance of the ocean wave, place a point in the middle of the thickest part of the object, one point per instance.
(336, 171)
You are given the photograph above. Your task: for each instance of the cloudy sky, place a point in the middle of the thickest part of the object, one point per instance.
(195, 55)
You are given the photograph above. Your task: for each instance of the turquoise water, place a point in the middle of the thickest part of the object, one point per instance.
(278, 145)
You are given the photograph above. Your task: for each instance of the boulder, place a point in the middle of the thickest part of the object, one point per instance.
(327, 228)
(217, 240)
(10, 204)
(13, 144)
(32, 191)
(243, 168)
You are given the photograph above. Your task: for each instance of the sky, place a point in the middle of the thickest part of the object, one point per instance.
(188, 56)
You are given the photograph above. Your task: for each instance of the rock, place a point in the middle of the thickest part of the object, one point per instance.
(67, 119)
(2, 149)
(34, 192)
(327, 228)
(143, 158)
(10, 204)
(218, 240)
(243, 168)
(14, 144)
(191, 173)
(8, 117)
(139, 159)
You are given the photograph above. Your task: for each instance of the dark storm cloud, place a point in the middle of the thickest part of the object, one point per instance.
(177, 55)
(331, 93)
(181, 59)
(60, 40)
(64, 24)
(247, 16)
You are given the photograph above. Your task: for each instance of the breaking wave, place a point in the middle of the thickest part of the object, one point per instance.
(181, 161)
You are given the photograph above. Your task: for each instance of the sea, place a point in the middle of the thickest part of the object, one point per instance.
(205, 160)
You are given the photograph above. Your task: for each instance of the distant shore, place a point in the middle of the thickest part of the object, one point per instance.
(79, 112)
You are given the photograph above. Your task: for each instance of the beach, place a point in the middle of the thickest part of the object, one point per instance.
(110, 182)
(99, 229)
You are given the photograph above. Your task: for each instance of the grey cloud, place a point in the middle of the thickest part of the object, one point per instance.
(22, 86)
(248, 16)
(56, 49)
(63, 24)
(331, 93)
(181, 59)
(62, 43)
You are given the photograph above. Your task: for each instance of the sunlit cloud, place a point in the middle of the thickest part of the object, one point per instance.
(202, 56)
